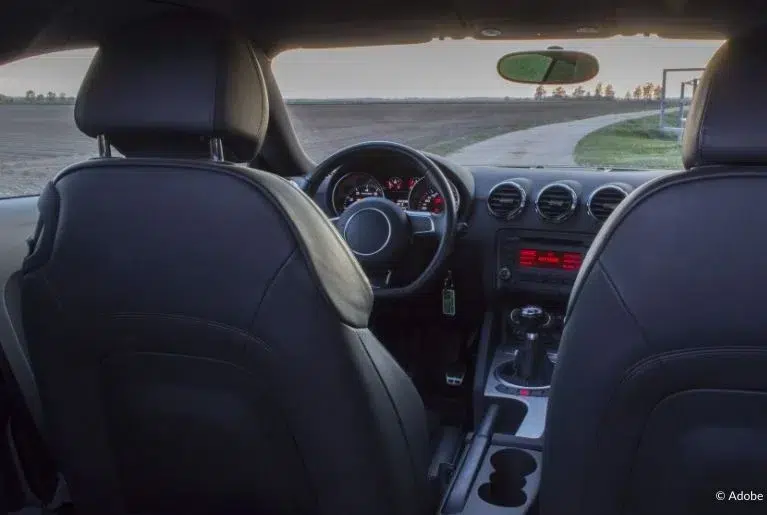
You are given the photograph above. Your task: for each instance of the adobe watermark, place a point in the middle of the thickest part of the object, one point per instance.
(740, 496)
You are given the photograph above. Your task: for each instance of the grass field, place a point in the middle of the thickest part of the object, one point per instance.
(632, 144)
(36, 141)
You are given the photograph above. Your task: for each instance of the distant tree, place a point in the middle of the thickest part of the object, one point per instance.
(40, 98)
(29, 95)
(647, 90)
(598, 90)
(638, 93)
(579, 92)
(609, 92)
(540, 92)
(62, 96)
(560, 92)
(657, 92)
(628, 96)
(51, 96)
(588, 94)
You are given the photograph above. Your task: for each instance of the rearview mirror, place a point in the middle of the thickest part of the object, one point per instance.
(548, 67)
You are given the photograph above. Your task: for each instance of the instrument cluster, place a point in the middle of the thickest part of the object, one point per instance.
(408, 191)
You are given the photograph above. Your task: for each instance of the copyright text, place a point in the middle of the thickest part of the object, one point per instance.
(739, 496)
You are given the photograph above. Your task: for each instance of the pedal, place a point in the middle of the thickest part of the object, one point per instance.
(455, 374)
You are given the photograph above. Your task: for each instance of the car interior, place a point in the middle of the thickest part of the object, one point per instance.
(203, 320)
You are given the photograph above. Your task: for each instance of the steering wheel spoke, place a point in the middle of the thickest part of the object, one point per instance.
(426, 224)
(379, 278)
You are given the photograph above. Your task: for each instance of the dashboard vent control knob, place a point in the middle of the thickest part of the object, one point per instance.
(506, 200)
(604, 200)
(556, 202)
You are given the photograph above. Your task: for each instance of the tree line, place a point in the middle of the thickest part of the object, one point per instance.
(646, 91)
(31, 97)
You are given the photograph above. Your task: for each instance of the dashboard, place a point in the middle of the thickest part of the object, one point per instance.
(524, 231)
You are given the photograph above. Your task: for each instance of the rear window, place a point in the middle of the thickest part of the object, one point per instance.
(38, 136)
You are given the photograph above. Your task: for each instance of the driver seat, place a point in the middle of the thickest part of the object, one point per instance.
(199, 329)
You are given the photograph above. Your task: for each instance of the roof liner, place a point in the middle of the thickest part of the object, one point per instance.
(33, 26)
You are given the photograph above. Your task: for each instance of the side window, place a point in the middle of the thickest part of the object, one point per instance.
(38, 136)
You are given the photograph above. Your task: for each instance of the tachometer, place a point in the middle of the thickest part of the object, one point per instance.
(425, 197)
(352, 187)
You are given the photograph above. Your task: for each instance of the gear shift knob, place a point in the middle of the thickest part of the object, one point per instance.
(531, 319)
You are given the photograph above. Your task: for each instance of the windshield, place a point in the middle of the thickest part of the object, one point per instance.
(446, 97)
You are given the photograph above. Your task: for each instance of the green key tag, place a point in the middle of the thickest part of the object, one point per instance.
(448, 296)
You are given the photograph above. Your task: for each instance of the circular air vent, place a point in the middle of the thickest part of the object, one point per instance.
(556, 202)
(604, 200)
(506, 200)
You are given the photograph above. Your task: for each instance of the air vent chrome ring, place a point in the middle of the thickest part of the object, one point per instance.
(514, 212)
(614, 187)
(566, 214)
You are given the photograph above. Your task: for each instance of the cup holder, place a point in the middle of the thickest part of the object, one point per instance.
(513, 462)
(508, 479)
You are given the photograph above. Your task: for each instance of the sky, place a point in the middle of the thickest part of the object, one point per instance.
(442, 69)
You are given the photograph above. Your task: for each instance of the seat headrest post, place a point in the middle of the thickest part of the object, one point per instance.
(216, 150)
(105, 149)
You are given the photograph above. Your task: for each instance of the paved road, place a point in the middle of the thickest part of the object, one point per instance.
(551, 144)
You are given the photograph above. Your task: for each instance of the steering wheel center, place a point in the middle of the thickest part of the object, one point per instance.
(376, 230)
(368, 231)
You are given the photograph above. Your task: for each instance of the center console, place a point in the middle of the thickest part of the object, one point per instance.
(535, 273)
(521, 367)
(500, 469)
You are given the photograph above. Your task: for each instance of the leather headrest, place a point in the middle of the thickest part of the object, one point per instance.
(165, 87)
(725, 124)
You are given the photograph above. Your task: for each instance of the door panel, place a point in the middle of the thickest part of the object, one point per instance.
(18, 217)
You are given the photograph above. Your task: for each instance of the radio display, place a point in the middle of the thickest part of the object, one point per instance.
(537, 258)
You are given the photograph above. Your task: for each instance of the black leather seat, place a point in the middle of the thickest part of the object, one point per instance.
(199, 329)
(659, 400)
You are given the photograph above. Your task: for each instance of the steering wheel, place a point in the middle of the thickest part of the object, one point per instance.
(379, 232)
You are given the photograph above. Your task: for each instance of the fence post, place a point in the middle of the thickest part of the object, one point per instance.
(681, 106)
(663, 101)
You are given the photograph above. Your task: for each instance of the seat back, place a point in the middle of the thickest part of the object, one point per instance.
(198, 329)
(659, 400)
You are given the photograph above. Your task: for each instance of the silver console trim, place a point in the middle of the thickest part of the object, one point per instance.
(507, 383)
(534, 422)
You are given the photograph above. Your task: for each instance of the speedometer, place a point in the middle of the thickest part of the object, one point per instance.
(360, 192)
(352, 187)
(425, 197)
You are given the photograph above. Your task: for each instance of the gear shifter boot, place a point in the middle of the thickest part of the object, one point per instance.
(531, 366)
(513, 372)
(528, 360)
